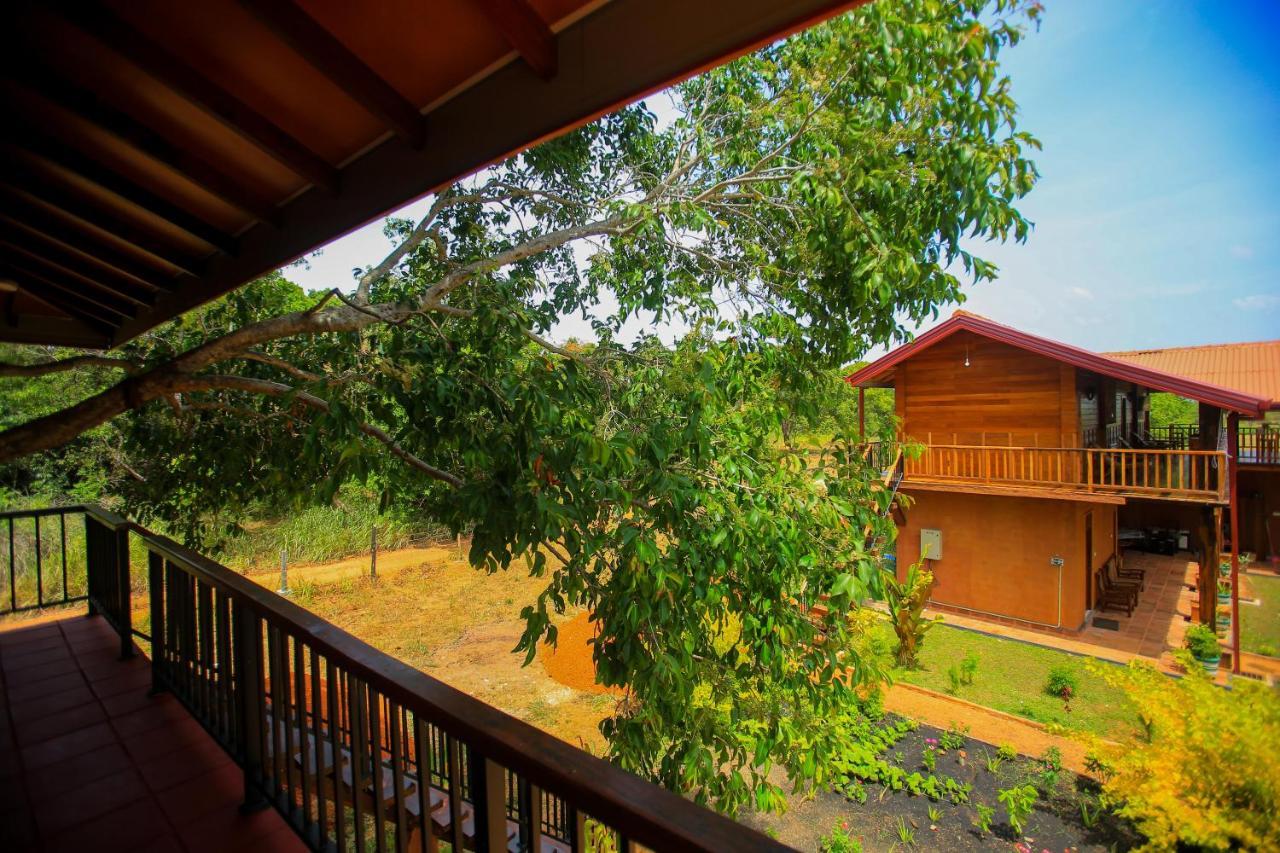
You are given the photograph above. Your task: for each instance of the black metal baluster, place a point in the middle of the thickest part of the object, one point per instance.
(394, 722)
(423, 755)
(204, 609)
(488, 801)
(300, 704)
(226, 727)
(374, 700)
(317, 733)
(454, 772)
(247, 660)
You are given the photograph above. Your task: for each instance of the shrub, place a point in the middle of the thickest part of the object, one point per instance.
(838, 840)
(1062, 682)
(1018, 803)
(954, 737)
(1006, 752)
(1209, 775)
(906, 600)
(1202, 642)
(969, 668)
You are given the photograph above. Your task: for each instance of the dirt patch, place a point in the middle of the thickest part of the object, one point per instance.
(569, 661)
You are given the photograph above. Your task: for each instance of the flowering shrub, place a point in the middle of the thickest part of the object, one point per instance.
(1208, 774)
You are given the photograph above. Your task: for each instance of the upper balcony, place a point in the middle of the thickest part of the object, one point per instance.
(249, 702)
(1179, 475)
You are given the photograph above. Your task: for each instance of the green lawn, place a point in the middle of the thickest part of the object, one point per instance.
(1260, 623)
(1011, 678)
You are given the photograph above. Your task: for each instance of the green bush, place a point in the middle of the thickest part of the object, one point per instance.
(1202, 642)
(1062, 682)
(839, 840)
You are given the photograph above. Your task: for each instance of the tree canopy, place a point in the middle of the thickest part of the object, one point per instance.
(803, 204)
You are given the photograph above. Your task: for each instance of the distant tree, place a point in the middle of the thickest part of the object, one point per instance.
(805, 203)
(1169, 409)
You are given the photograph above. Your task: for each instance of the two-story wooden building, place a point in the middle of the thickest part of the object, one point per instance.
(1036, 455)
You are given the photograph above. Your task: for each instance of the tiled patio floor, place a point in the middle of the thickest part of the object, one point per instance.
(89, 761)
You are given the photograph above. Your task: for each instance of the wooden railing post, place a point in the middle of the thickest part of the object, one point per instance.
(155, 590)
(247, 663)
(124, 590)
(489, 799)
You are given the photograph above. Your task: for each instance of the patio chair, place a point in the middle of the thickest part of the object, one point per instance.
(1114, 598)
(1118, 576)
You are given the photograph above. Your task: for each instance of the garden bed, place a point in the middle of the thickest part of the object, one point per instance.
(889, 818)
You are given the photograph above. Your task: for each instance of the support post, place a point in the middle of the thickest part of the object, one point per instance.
(1233, 449)
(124, 591)
(373, 552)
(862, 414)
(247, 660)
(284, 573)
(155, 589)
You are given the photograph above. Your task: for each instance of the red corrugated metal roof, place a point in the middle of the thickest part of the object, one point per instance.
(1253, 367)
(1148, 377)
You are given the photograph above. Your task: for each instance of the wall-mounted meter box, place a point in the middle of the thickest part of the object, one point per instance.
(930, 544)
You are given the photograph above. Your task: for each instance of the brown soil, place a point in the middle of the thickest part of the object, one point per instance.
(569, 661)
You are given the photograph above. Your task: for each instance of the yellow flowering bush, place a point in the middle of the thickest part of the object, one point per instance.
(1207, 775)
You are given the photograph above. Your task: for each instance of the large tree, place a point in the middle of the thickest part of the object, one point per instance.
(799, 206)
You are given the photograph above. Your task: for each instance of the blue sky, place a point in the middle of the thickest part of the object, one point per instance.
(1158, 210)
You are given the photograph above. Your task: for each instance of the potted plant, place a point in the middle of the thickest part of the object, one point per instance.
(1203, 645)
(1224, 569)
(1224, 591)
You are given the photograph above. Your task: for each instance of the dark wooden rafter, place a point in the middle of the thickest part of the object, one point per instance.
(339, 64)
(50, 230)
(86, 222)
(173, 71)
(70, 263)
(133, 133)
(65, 292)
(526, 32)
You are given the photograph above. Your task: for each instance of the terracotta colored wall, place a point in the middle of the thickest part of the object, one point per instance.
(1005, 396)
(996, 552)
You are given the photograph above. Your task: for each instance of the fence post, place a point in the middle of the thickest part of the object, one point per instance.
(155, 590)
(373, 552)
(284, 572)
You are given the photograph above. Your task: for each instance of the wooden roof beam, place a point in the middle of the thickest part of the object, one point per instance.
(173, 71)
(86, 107)
(525, 31)
(337, 62)
(75, 216)
(69, 263)
(66, 294)
(47, 229)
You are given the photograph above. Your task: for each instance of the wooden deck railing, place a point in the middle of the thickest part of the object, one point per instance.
(1180, 474)
(358, 750)
(1259, 444)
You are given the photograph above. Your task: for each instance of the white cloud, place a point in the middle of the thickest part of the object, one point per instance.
(1257, 302)
(1081, 293)
(1244, 252)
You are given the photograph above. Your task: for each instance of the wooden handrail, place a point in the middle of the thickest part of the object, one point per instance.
(1174, 474)
(637, 810)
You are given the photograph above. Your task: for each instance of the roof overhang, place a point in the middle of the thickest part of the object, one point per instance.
(158, 155)
(881, 371)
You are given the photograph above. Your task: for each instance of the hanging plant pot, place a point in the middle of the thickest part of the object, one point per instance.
(1224, 570)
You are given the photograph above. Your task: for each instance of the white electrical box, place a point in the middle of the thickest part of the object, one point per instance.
(930, 544)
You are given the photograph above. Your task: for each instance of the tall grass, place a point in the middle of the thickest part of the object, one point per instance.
(20, 585)
(321, 534)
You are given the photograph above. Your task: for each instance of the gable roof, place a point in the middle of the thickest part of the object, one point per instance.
(1252, 367)
(880, 371)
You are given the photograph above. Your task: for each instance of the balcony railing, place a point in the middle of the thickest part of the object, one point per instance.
(1178, 475)
(357, 750)
(1259, 444)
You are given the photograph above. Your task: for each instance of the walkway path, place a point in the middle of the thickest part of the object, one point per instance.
(986, 724)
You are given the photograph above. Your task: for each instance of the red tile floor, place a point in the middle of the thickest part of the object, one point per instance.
(89, 761)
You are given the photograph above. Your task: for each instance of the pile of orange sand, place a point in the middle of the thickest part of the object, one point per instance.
(569, 662)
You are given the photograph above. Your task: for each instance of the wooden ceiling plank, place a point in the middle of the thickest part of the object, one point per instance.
(46, 227)
(526, 32)
(68, 263)
(339, 64)
(71, 296)
(138, 136)
(64, 331)
(85, 221)
(173, 71)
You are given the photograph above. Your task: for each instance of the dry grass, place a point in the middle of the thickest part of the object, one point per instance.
(432, 610)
